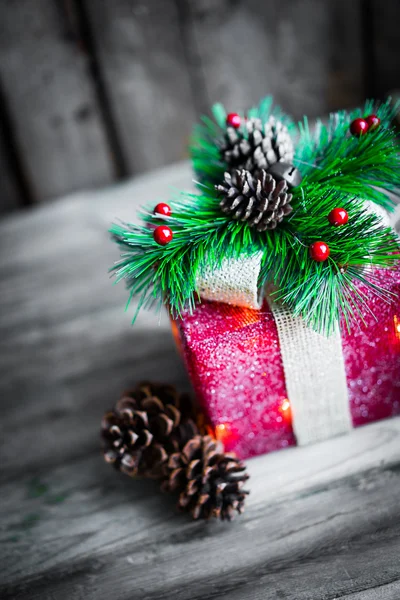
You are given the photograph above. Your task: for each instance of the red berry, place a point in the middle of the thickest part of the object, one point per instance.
(338, 216)
(162, 209)
(319, 251)
(233, 120)
(162, 235)
(358, 127)
(373, 122)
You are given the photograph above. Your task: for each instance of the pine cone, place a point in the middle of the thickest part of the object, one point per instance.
(260, 200)
(208, 480)
(146, 425)
(263, 146)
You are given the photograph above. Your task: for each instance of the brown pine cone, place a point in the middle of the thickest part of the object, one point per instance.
(259, 200)
(146, 425)
(260, 146)
(208, 480)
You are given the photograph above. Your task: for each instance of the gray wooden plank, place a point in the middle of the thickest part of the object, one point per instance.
(55, 115)
(384, 592)
(10, 198)
(322, 521)
(317, 527)
(385, 42)
(61, 316)
(143, 63)
(14, 191)
(306, 53)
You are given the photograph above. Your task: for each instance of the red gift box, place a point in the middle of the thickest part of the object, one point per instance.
(234, 360)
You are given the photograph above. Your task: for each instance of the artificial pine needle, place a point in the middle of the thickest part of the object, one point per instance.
(339, 170)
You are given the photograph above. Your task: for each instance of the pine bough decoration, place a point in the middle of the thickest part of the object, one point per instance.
(300, 196)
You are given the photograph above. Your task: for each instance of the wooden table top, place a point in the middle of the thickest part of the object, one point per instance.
(322, 522)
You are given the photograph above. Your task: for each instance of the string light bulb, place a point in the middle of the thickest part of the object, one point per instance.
(224, 434)
(396, 322)
(285, 411)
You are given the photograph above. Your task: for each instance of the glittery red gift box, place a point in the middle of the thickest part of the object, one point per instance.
(234, 361)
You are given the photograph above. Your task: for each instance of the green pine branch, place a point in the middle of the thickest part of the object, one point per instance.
(203, 236)
(321, 292)
(367, 166)
(338, 171)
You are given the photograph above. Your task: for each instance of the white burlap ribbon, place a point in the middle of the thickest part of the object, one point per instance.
(313, 364)
(315, 378)
(234, 282)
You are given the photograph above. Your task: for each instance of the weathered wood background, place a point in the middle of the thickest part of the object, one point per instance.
(92, 91)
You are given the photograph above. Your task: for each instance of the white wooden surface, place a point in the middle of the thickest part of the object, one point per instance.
(322, 522)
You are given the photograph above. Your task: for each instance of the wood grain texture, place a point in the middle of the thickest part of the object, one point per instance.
(322, 522)
(140, 51)
(118, 94)
(306, 53)
(54, 113)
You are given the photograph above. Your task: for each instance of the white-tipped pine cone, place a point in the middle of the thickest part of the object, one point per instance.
(259, 199)
(264, 145)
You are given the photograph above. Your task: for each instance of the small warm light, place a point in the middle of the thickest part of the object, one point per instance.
(222, 432)
(285, 411)
(396, 321)
(227, 434)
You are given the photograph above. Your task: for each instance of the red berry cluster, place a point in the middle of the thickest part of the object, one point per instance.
(319, 251)
(162, 234)
(360, 126)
